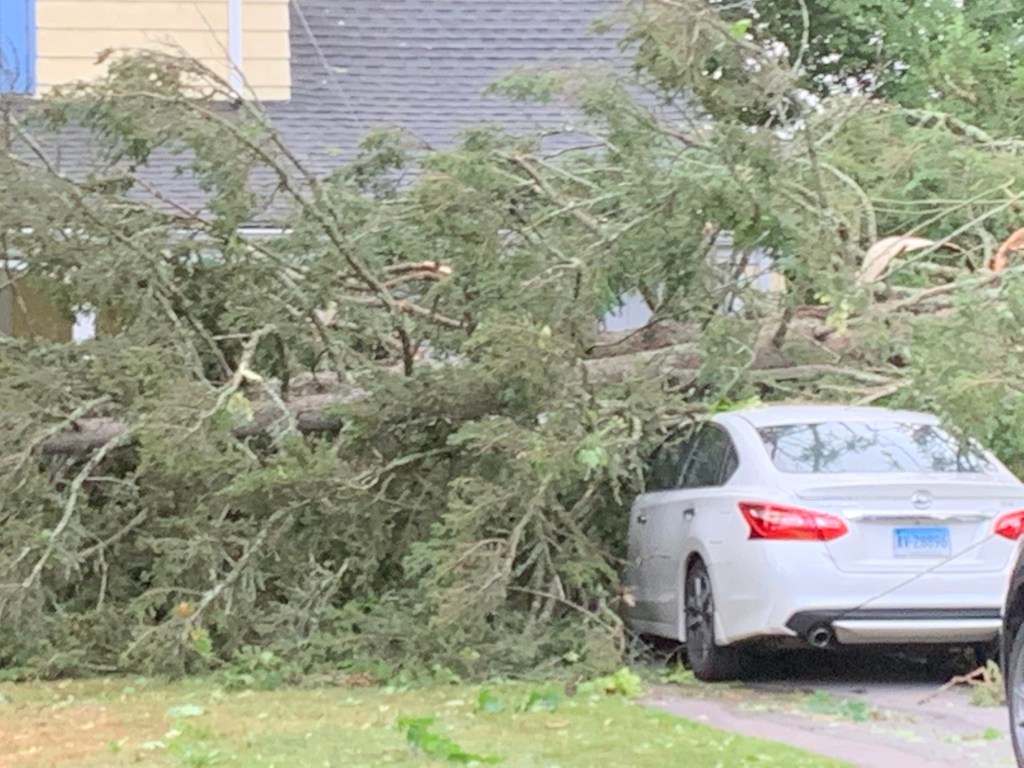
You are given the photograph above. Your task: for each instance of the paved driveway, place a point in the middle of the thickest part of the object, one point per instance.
(869, 711)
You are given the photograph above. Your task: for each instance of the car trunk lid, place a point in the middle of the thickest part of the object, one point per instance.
(916, 522)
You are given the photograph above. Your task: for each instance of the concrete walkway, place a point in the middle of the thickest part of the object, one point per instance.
(866, 713)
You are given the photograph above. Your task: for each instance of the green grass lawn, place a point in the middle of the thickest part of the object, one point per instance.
(114, 722)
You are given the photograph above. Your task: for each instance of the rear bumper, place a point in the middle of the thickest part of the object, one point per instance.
(761, 594)
(912, 625)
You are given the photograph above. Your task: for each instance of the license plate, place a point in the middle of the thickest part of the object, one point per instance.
(921, 542)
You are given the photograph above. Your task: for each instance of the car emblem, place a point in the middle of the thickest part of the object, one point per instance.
(921, 499)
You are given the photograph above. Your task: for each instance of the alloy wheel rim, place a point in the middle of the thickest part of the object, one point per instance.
(699, 613)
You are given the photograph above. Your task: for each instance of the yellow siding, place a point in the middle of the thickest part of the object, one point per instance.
(272, 16)
(71, 33)
(266, 51)
(271, 75)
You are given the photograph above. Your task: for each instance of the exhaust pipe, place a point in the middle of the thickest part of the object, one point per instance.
(820, 636)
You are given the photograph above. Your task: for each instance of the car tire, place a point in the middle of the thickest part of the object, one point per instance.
(1014, 672)
(708, 660)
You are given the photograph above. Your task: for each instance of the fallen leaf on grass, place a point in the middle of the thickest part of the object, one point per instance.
(419, 736)
(186, 710)
(489, 703)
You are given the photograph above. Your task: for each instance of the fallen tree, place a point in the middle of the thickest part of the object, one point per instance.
(311, 414)
(665, 349)
(392, 434)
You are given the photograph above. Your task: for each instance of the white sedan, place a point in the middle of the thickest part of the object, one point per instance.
(820, 525)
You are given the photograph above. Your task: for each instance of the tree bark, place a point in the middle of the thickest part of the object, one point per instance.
(312, 413)
(675, 349)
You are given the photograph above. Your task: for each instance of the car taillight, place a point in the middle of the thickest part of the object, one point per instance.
(1010, 525)
(777, 521)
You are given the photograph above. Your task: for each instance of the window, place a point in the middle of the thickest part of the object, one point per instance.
(730, 464)
(667, 461)
(17, 46)
(836, 447)
(713, 459)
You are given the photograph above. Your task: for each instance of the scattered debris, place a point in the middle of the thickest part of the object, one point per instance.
(987, 679)
(881, 254)
(1001, 258)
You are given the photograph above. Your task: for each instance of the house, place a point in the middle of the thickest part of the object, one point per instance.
(325, 71)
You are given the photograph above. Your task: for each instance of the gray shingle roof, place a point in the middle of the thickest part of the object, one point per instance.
(420, 65)
(424, 65)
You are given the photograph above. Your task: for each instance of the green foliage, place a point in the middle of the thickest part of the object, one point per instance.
(422, 738)
(623, 682)
(255, 669)
(444, 498)
(489, 702)
(192, 746)
(963, 57)
(823, 703)
(679, 675)
(546, 699)
(990, 691)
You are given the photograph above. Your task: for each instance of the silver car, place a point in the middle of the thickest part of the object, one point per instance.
(820, 525)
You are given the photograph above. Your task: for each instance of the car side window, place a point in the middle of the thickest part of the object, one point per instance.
(713, 459)
(731, 462)
(667, 462)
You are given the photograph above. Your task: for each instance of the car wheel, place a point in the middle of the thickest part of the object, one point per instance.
(1015, 693)
(708, 660)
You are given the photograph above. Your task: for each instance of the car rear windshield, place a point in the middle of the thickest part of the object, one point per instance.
(837, 446)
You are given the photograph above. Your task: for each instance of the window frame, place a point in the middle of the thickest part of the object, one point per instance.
(18, 37)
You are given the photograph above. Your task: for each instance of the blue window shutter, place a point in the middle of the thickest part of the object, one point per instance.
(17, 46)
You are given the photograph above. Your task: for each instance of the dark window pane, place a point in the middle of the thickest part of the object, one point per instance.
(667, 463)
(833, 447)
(709, 455)
(729, 465)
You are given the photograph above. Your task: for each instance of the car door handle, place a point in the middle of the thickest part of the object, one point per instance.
(688, 513)
(641, 518)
